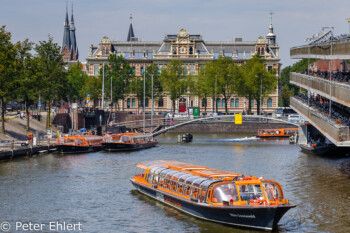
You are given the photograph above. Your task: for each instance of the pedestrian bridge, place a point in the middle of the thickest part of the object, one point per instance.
(161, 125)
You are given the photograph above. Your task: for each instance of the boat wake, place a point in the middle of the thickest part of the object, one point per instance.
(245, 139)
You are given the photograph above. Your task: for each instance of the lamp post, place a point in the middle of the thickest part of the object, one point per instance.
(152, 106)
(216, 102)
(144, 99)
(349, 23)
(260, 91)
(103, 85)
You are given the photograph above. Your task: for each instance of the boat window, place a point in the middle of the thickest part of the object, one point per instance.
(250, 192)
(194, 192)
(149, 178)
(166, 184)
(225, 192)
(187, 190)
(69, 140)
(116, 138)
(79, 142)
(272, 191)
(155, 179)
(172, 185)
(140, 172)
(179, 187)
(161, 182)
(202, 194)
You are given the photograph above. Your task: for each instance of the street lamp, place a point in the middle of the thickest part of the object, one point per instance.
(103, 85)
(216, 101)
(144, 99)
(349, 23)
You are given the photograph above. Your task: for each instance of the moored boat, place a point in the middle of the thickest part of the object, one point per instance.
(128, 141)
(211, 194)
(79, 144)
(277, 133)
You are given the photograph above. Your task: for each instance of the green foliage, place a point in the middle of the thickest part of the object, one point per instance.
(258, 82)
(289, 89)
(75, 81)
(121, 74)
(93, 87)
(7, 69)
(53, 77)
(173, 80)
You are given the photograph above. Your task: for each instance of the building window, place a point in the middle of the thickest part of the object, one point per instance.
(146, 100)
(185, 69)
(269, 103)
(128, 103)
(204, 103)
(192, 70)
(191, 103)
(237, 103)
(269, 68)
(252, 103)
(133, 103)
(232, 103)
(262, 51)
(218, 103)
(191, 50)
(160, 102)
(141, 72)
(223, 103)
(134, 69)
(96, 69)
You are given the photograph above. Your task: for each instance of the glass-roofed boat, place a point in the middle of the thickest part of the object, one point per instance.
(128, 141)
(79, 144)
(212, 194)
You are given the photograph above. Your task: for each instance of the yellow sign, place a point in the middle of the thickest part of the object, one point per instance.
(238, 119)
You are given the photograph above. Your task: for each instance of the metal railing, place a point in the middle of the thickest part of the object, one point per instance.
(321, 121)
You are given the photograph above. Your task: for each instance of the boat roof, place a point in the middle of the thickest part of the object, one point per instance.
(84, 137)
(183, 171)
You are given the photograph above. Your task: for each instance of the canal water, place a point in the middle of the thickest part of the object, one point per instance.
(94, 189)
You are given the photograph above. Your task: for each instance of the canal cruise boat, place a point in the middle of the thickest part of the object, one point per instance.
(128, 141)
(211, 194)
(79, 144)
(277, 133)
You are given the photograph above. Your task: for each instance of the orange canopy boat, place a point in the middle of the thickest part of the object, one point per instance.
(213, 194)
(277, 133)
(79, 144)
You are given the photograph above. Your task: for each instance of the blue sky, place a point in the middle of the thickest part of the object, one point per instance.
(219, 20)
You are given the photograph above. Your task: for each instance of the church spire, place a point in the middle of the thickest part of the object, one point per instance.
(73, 48)
(131, 30)
(66, 36)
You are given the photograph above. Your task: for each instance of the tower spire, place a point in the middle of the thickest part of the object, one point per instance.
(73, 49)
(66, 37)
(271, 37)
(131, 30)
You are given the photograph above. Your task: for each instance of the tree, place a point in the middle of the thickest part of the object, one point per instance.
(75, 82)
(289, 89)
(53, 75)
(202, 88)
(7, 70)
(121, 74)
(225, 74)
(258, 82)
(27, 71)
(173, 80)
(93, 87)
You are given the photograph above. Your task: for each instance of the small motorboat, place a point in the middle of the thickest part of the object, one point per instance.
(128, 141)
(214, 195)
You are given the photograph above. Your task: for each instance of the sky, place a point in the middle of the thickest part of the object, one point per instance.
(217, 20)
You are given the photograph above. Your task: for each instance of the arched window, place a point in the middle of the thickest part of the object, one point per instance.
(160, 102)
(192, 69)
(204, 103)
(232, 103)
(262, 51)
(191, 103)
(237, 103)
(133, 102)
(269, 103)
(185, 69)
(218, 103)
(223, 103)
(191, 50)
(259, 51)
(146, 102)
(252, 103)
(128, 103)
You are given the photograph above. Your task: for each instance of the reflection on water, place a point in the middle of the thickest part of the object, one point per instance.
(94, 189)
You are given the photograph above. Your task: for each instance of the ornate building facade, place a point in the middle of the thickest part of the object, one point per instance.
(194, 52)
(69, 49)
